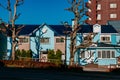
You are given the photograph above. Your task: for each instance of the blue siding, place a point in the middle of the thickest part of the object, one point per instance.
(43, 47)
(113, 39)
(106, 61)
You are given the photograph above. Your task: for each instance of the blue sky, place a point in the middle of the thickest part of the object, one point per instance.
(40, 11)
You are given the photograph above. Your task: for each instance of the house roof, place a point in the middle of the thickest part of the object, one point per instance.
(115, 24)
(60, 29)
(27, 29)
(108, 29)
(85, 29)
(107, 45)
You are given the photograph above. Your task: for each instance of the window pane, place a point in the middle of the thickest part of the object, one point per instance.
(99, 7)
(44, 40)
(108, 54)
(83, 55)
(105, 39)
(113, 5)
(113, 54)
(23, 40)
(99, 17)
(113, 15)
(99, 54)
(103, 54)
(59, 40)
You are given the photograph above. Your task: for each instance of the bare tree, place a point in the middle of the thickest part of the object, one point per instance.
(78, 9)
(13, 16)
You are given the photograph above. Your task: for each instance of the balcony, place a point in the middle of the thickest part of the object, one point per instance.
(88, 5)
(88, 13)
(87, 21)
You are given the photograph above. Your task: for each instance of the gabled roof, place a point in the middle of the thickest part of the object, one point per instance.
(104, 29)
(59, 30)
(28, 29)
(86, 29)
(108, 29)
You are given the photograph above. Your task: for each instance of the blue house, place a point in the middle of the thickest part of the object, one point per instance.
(40, 38)
(105, 49)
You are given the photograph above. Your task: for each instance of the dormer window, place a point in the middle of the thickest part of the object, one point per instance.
(105, 38)
(96, 28)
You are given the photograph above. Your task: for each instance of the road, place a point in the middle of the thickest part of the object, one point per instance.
(38, 74)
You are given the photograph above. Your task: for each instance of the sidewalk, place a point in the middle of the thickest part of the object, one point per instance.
(96, 69)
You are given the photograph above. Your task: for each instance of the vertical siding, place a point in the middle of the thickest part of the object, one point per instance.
(113, 39)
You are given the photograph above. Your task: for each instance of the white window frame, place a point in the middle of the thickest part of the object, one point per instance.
(98, 16)
(59, 40)
(87, 54)
(113, 5)
(99, 7)
(45, 40)
(113, 15)
(106, 56)
(105, 36)
(23, 40)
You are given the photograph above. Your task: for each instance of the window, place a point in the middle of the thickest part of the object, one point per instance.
(83, 55)
(106, 54)
(86, 54)
(105, 38)
(113, 5)
(23, 40)
(99, 7)
(99, 17)
(44, 40)
(113, 15)
(59, 40)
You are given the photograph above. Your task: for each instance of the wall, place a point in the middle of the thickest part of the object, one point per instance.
(35, 42)
(25, 46)
(60, 45)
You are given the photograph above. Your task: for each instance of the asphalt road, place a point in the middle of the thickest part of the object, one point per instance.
(38, 74)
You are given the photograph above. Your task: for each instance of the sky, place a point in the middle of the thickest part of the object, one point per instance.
(39, 11)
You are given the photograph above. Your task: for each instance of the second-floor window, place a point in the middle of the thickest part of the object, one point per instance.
(59, 40)
(23, 40)
(105, 38)
(45, 40)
